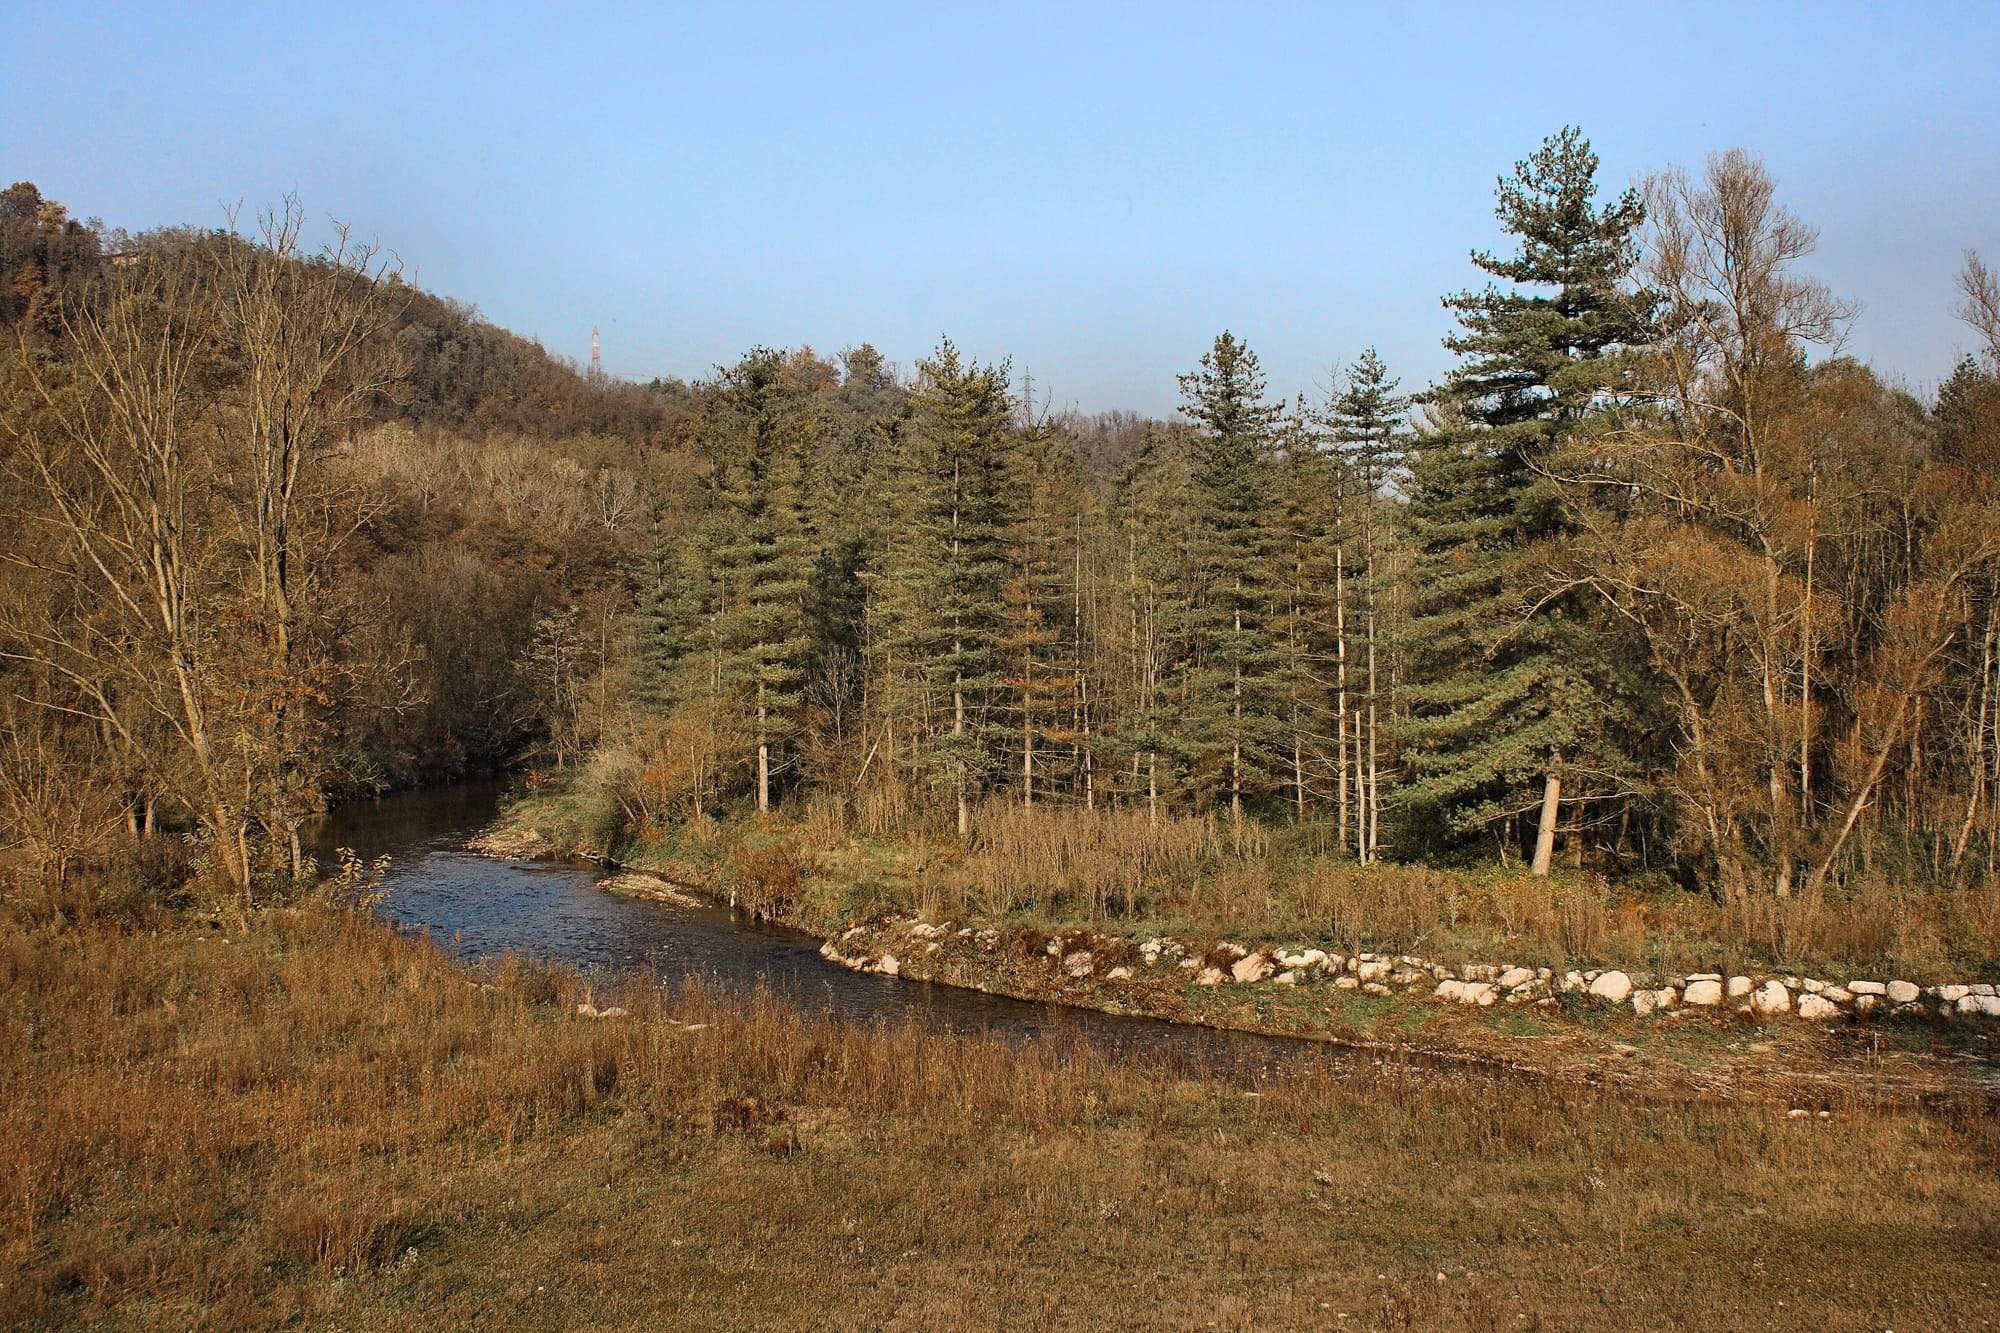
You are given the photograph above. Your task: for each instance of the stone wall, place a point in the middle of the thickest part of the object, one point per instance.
(1084, 955)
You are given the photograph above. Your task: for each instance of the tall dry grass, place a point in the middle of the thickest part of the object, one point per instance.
(1103, 862)
(1186, 872)
(310, 1121)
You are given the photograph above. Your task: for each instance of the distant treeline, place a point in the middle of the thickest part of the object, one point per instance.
(1654, 579)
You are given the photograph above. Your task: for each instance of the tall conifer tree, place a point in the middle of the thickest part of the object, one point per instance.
(760, 434)
(946, 584)
(1497, 698)
(1367, 417)
(1236, 711)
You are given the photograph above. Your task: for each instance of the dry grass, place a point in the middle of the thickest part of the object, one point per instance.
(318, 1123)
(1052, 862)
(1060, 864)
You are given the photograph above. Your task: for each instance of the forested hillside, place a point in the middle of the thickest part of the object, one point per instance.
(280, 528)
(1654, 582)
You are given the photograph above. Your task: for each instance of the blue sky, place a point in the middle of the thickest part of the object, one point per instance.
(1095, 190)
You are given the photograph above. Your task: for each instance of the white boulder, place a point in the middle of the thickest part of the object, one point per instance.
(1980, 1006)
(1210, 976)
(1256, 967)
(1375, 969)
(1515, 976)
(1901, 992)
(1078, 964)
(1119, 974)
(1704, 992)
(1867, 988)
(1614, 986)
(1648, 1001)
(1771, 999)
(1739, 987)
(1481, 993)
(1817, 1006)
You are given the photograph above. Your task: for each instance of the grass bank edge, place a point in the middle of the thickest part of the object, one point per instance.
(845, 884)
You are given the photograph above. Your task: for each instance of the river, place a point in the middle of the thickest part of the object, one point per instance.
(479, 907)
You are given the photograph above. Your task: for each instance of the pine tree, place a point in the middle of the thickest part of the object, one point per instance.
(1497, 697)
(1313, 492)
(1152, 517)
(1367, 418)
(1042, 652)
(1237, 705)
(946, 580)
(724, 623)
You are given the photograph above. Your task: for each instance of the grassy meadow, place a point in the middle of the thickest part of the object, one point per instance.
(301, 1120)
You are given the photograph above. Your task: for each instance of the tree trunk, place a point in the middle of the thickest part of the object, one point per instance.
(763, 756)
(1374, 773)
(1978, 765)
(1545, 833)
(1236, 719)
(1340, 681)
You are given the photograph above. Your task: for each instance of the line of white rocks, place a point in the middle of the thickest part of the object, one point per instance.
(1480, 984)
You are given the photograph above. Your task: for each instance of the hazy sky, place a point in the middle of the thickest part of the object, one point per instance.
(1095, 190)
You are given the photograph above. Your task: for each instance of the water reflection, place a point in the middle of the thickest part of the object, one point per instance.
(480, 907)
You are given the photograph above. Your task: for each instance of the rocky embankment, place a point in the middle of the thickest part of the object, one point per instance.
(905, 946)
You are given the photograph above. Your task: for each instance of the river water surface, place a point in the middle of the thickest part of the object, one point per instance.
(479, 907)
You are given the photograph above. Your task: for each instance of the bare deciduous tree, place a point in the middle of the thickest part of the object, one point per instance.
(173, 469)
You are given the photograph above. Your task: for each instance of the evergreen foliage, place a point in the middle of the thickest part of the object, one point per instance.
(1497, 689)
(1236, 707)
(946, 572)
(1737, 605)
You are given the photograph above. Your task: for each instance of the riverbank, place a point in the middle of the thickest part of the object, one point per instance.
(1725, 1025)
(301, 1118)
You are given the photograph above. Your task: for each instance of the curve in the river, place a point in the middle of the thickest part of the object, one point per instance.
(481, 907)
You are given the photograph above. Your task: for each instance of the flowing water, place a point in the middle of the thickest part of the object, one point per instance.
(480, 907)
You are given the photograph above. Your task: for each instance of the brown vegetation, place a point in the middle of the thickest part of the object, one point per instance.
(1116, 871)
(235, 1124)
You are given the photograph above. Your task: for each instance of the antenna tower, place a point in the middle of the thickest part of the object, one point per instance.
(596, 352)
